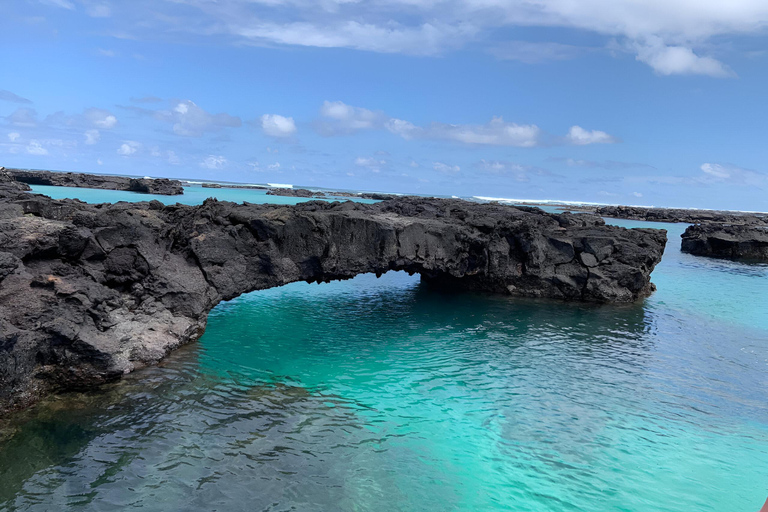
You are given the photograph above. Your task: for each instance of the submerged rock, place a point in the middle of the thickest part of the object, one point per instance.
(736, 242)
(161, 186)
(90, 292)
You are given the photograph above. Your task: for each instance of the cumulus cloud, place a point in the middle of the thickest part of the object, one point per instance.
(13, 136)
(13, 98)
(100, 118)
(278, 126)
(679, 60)
(214, 162)
(189, 120)
(578, 136)
(128, 148)
(338, 118)
(92, 136)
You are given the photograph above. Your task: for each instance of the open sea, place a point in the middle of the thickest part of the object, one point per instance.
(382, 395)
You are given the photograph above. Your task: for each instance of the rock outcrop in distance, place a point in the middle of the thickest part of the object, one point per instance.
(748, 243)
(160, 186)
(302, 192)
(90, 292)
(680, 215)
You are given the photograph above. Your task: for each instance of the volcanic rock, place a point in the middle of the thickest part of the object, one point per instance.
(735, 242)
(161, 186)
(90, 292)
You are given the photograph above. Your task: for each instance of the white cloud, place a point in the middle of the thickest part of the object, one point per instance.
(128, 148)
(92, 136)
(172, 158)
(13, 136)
(35, 148)
(274, 167)
(427, 38)
(214, 162)
(445, 168)
(428, 27)
(497, 132)
(578, 136)
(405, 129)
(726, 173)
(338, 118)
(276, 125)
(637, 194)
(679, 60)
(189, 120)
(98, 161)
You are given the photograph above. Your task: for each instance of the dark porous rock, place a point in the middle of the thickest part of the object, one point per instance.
(90, 292)
(162, 186)
(737, 242)
(9, 182)
(680, 215)
(211, 185)
(293, 192)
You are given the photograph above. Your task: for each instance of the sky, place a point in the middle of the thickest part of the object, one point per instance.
(645, 102)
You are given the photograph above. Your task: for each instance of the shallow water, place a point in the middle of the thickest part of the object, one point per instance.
(383, 395)
(192, 195)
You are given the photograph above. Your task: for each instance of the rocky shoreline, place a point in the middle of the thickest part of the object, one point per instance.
(747, 243)
(160, 186)
(679, 215)
(90, 292)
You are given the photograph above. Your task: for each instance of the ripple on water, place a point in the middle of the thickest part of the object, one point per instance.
(384, 395)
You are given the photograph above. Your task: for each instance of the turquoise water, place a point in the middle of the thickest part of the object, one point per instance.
(383, 395)
(192, 195)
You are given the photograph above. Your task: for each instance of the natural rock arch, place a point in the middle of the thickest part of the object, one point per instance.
(89, 292)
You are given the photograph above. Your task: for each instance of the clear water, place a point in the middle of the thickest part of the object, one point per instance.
(192, 195)
(382, 395)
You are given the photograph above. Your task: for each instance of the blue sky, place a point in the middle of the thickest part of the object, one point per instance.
(654, 102)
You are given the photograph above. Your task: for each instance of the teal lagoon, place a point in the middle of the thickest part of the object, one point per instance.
(384, 395)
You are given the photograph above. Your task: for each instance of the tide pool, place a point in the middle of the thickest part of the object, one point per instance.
(385, 395)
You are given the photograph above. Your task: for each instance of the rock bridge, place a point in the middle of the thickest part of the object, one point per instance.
(90, 292)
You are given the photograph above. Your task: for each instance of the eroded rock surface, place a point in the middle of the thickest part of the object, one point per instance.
(736, 242)
(681, 215)
(161, 186)
(89, 292)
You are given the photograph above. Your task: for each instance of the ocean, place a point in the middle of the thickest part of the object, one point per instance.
(384, 395)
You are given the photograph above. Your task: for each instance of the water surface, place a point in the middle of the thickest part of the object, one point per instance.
(383, 395)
